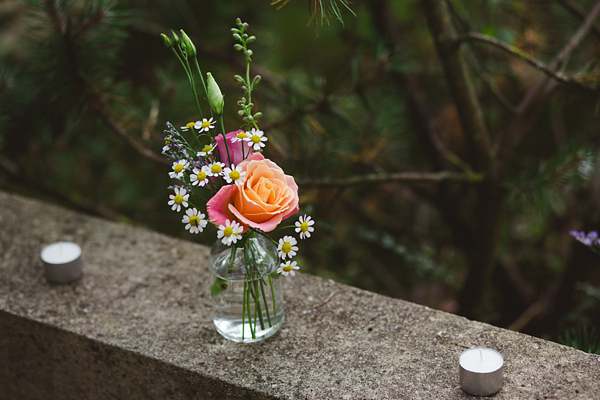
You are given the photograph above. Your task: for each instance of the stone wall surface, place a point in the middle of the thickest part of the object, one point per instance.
(138, 326)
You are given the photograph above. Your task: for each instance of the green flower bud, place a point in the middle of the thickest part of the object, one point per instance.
(215, 98)
(175, 37)
(168, 42)
(189, 45)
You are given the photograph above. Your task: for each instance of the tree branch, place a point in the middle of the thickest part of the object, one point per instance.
(404, 177)
(574, 8)
(100, 107)
(95, 98)
(14, 174)
(460, 85)
(523, 121)
(515, 51)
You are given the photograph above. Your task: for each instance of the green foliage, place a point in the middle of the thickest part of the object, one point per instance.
(541, 188)
(323, 11)
(583, 338)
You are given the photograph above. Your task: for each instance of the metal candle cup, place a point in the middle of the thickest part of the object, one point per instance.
(481, 371)
(62, 262)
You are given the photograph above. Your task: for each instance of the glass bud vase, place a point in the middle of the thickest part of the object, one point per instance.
(246, 290)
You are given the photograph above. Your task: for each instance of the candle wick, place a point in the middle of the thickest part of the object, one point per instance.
(480, 355)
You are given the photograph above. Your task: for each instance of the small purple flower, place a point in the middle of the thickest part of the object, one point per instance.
(590, 239)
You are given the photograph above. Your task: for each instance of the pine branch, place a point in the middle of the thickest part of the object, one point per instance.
(515, 51)
(403, 177)
(101, 108)
(92, 94)
(536, 94)
(298, 113)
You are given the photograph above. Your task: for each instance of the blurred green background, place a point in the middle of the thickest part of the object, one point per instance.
(86, 88)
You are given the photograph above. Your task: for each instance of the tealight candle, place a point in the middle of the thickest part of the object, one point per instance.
(481, 371)
(62, 262)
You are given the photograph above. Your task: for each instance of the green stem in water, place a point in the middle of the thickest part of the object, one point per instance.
(247, 294)
(244, 303)
(264, 296)
(244, 310)
(272, 296)
(256, 297)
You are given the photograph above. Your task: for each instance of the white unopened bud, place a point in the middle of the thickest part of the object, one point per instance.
(215, 98)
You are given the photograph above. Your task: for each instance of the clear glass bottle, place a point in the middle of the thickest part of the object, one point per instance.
(246, 290)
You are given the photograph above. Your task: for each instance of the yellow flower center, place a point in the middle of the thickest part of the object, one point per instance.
(304, 226)
(205, 124)
(286, 248)
(287, 268)
(201, 175)
(228, 231)
(178, 199)
(207, 148)
(242, 135)
(178, 168)
(235, 175)
(194, 220)
(168, 140)
(255, 139)
(190, 124)
(216, 168)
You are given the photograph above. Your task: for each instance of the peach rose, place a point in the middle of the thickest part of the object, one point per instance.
(267, 197)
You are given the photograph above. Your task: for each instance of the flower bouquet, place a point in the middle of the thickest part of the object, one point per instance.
(244, 194)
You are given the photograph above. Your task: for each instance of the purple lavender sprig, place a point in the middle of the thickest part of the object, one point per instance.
(589, 239)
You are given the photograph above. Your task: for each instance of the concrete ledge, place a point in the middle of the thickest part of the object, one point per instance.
(138, 326)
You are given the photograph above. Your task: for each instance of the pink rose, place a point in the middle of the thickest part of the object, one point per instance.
(266, 197)
(236, 150)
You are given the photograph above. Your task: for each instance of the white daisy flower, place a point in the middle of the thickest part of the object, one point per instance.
(287, 247)
(167, 143)
(196, 221)
(229, 233)
(205, 124)
(256, 139)
(240, 136)
(215, 169)
(200, 176)
(206, 150)
(188, 126)
(288, 268)
(178, 199)
(304, 226)
(234, 175)
(179, 168)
